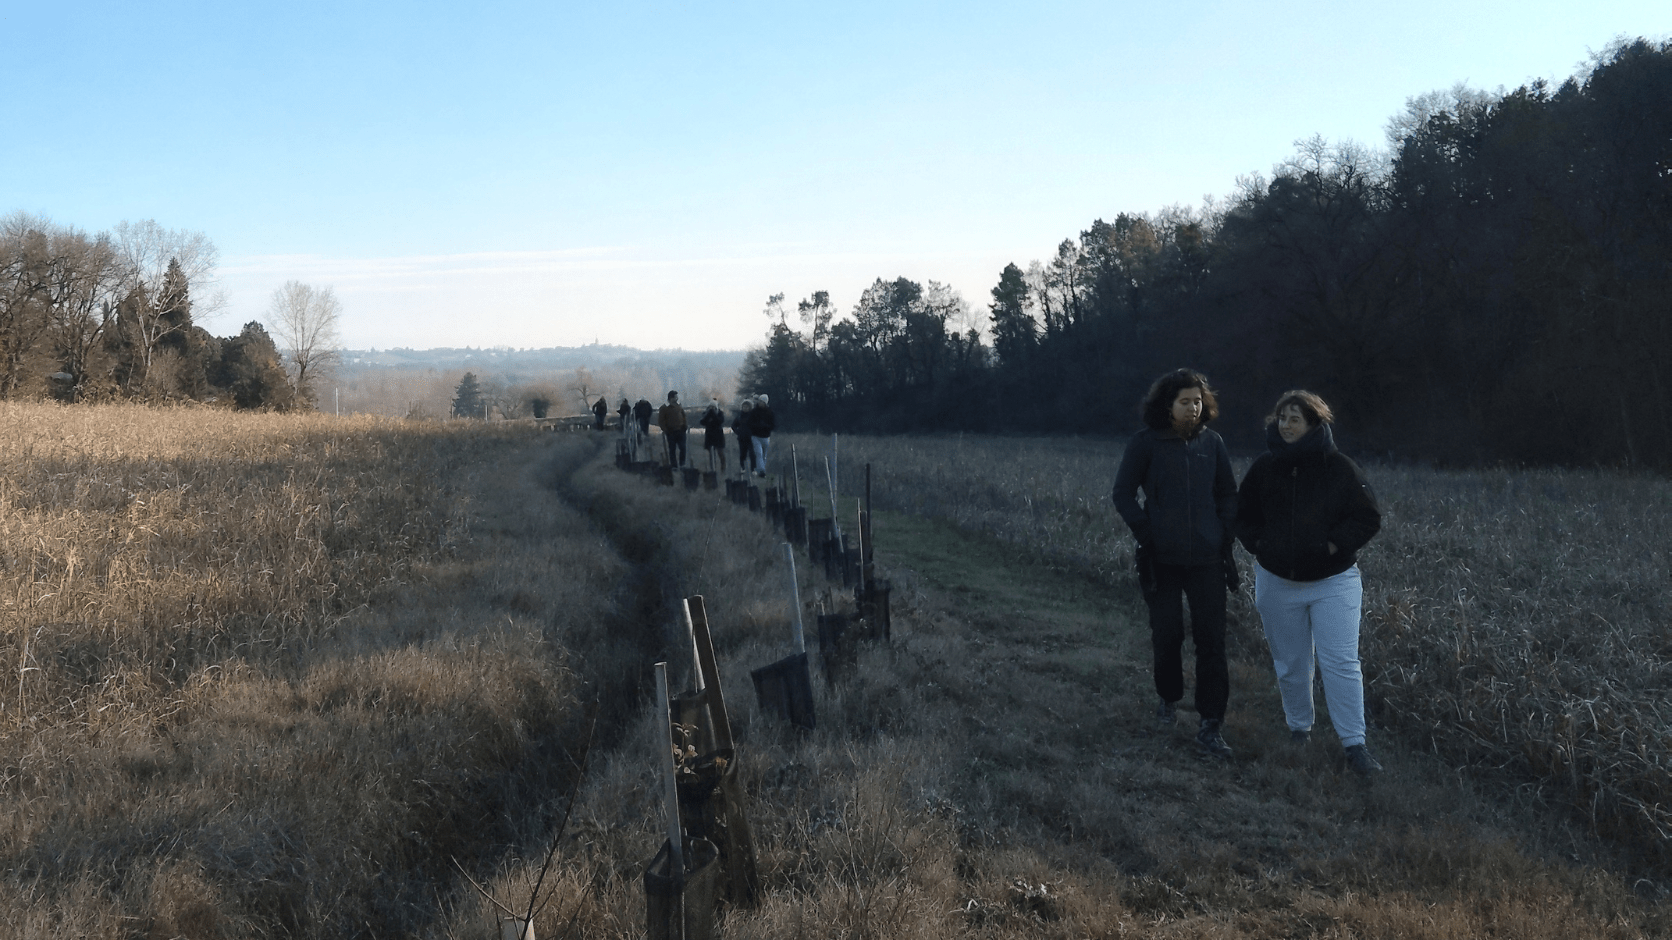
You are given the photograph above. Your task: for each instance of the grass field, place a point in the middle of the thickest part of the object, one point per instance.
(268, 673)
(283, 676)
(1516, 620)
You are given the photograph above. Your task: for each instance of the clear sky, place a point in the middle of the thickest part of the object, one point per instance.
(503, 174)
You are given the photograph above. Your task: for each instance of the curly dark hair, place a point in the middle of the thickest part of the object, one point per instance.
(1313, 408)
(1157, 406)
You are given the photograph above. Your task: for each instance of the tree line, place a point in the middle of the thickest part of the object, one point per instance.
(1495, 286)
(111, 316)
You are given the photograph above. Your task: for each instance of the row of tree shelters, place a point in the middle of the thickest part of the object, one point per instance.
(709, 855)
(844, 555)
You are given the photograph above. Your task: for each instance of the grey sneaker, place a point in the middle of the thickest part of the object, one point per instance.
(1360, 762)
(1210, 741)
(1299, 737)
(1166, 714)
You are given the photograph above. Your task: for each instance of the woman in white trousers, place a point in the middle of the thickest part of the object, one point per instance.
(1304, 510)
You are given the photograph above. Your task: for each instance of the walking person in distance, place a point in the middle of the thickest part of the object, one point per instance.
(1184, 534)
(1304, 510)
(713, 423)
(740, 427)
(761, 422)
(671, 419)
(642, 410)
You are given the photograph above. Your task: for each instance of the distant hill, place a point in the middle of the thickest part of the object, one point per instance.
(421, 382)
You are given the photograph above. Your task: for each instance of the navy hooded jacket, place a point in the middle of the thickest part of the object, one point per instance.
(1190, 495)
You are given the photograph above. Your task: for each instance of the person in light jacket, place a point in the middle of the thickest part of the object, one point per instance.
(1303, 511)
(1183, 529)
(761, 422)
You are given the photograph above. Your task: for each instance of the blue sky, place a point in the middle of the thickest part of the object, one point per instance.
(528, 175)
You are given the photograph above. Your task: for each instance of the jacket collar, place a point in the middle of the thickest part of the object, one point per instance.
(1319, 440)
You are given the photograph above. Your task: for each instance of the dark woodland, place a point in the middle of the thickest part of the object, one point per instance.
(1494, 288)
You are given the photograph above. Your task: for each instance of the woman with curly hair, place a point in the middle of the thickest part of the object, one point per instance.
(1183, 528)
(1304, 510)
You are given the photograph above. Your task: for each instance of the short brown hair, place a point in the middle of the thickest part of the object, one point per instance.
(1157, 406)
(1313, 408)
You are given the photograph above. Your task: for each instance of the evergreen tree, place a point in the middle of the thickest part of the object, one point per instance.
(250, 371)
(1015, 332)
(467, 398)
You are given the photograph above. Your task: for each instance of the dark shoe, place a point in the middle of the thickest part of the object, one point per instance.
(1210, 741)
(1166, 714)
(1299, 737)
(1360, 762)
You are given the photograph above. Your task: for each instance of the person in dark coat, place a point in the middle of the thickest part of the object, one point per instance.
(1183, 529)
(1304, 510)
(642, 410)
(599, 410)
(713, 423)
(740, 427)
(761, 422)
(671, 419)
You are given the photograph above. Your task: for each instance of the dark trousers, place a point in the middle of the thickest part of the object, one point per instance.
(745, 453)
(676, 449)
(1204, 586)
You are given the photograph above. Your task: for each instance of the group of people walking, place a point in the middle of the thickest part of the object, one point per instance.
(1303, 510)
(752, 426)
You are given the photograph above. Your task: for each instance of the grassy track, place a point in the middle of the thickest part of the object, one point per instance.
(993, 774)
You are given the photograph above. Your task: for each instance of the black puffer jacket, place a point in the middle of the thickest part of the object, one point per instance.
(1297, 499)
(1190, 495)
(761, 421)
(713, 427)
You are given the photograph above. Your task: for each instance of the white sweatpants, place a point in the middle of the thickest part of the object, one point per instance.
(1315, 619)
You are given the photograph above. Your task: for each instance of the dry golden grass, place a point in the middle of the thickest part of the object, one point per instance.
(265, 674)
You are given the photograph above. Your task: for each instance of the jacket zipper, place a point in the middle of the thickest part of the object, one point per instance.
(1189, 507)
(1294, 510)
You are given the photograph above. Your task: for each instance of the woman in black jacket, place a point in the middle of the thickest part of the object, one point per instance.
(714, 432)
(740, 427)
(1183, 530)
(1304, 510)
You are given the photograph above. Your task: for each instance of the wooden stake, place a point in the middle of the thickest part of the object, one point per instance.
(676, 847)
(795, 470)
(830, 480)
(795, 600)
(710, 671)
(696, 652)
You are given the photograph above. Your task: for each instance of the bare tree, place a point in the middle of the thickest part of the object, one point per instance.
(304, 319)
(583, 386)
(25, 273)
(83, 290)
(163, 268)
